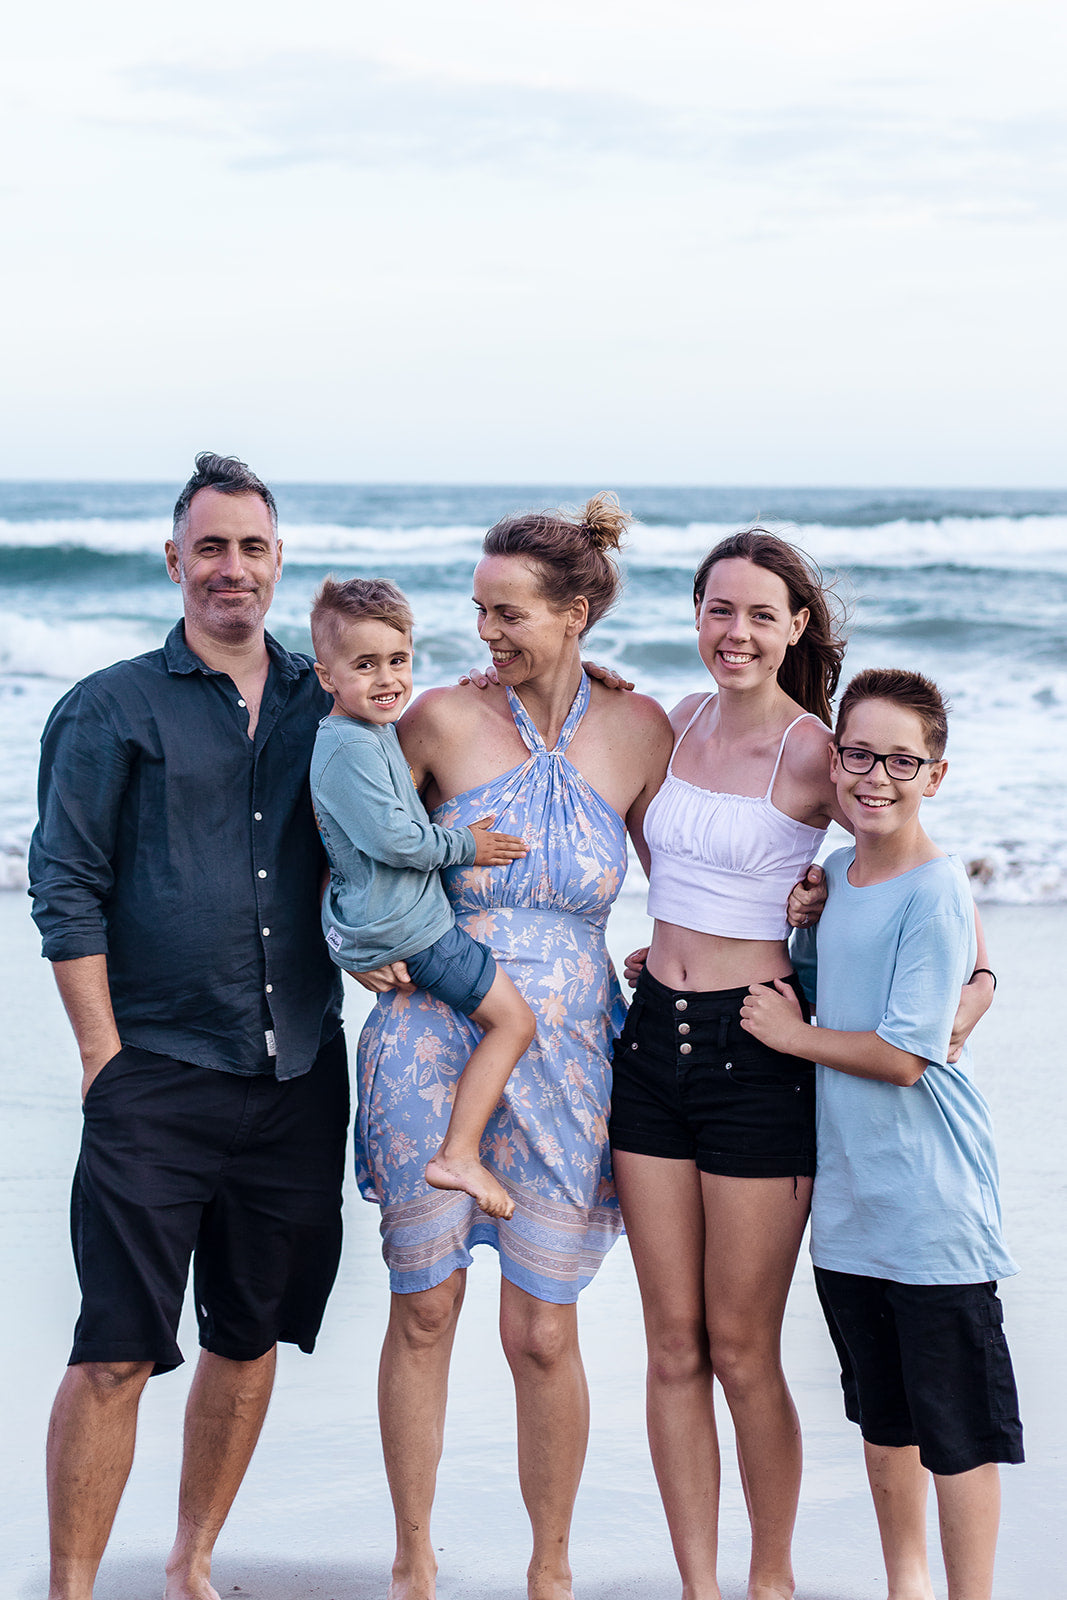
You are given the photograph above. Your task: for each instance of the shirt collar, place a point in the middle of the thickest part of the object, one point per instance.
(181, 660)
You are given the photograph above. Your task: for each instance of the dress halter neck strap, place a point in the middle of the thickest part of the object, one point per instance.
(530, 736)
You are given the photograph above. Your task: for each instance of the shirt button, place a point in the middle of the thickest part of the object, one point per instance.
(266, 933)
(681, 1005)
(270, 990)
(261, 873)
(258, 815)
(683, 1027)
(684, 1049)
(240, 702)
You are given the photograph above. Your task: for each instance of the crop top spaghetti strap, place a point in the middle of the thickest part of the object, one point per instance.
(725, 863)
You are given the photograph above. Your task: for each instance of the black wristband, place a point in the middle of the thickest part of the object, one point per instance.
(990, 973)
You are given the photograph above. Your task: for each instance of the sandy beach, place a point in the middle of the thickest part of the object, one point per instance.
(313, 1520)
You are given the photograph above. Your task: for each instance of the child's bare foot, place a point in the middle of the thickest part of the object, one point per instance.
(417, 1581)
(461, 1172)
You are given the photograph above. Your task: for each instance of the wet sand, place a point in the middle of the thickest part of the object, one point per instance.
(313, 1520)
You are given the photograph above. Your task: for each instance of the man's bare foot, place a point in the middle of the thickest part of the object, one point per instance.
(771, 1590)
(184, 1586)
(452, 1172)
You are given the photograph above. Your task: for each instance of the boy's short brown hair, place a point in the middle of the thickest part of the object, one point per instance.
(908, 689)
(355, 600)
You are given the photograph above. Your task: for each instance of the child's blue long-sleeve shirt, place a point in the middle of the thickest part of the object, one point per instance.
(384, 901)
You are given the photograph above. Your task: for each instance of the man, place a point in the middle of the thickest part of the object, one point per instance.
(175, 872)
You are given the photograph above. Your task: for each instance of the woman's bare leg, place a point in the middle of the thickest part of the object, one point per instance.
(754, 1228)
(899, 1484)
(412, 1390)
(662, 1201)
(552, 1405)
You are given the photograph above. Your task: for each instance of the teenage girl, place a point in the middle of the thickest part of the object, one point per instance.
(713, 1134)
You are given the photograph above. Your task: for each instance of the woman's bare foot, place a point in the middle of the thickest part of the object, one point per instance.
(468, 1174)
(545, 1584)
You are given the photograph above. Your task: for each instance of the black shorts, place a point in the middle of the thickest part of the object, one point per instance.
(244, 1174)
(925, 1364)
(690, 1084)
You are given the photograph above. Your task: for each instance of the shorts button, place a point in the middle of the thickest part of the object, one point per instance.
(633, 1047)
(683, 1027)
(684, 1049)
(681, 1005)
(729, 1064)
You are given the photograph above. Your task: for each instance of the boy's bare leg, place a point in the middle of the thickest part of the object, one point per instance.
(899, 1483)
(508, 1030)
(968, 1505)
(90, 1451)
(412, 1391)
(223, 1417)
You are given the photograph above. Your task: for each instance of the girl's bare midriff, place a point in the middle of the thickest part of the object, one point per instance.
(681, 958)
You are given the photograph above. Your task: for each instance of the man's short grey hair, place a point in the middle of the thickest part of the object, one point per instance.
(226, 475)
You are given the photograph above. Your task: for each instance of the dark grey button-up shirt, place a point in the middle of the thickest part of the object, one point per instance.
(188, 854)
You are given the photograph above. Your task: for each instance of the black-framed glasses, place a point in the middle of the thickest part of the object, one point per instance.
(858, 761)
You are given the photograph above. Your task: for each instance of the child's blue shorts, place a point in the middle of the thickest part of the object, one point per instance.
(925, 1364)
(456, 969)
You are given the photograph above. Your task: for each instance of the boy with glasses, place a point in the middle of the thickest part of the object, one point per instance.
(906, 1227)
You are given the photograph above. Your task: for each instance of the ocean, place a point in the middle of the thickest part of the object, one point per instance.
(969, 586)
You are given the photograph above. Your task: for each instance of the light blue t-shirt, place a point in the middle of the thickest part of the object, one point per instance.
(385, 900)
(906, 1178)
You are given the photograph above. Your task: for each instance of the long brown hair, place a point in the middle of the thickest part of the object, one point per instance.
(571, 554)
(811, 668)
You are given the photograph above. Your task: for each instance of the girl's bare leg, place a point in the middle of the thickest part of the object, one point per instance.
(412, 1390)
(663, 1208)
(507, 1025)
(552, 1405)
(754, 1228)
(899, 1483)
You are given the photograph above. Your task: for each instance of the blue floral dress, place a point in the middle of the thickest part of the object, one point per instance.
(543, 917)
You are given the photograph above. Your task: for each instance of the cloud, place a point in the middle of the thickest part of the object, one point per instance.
(882, 145)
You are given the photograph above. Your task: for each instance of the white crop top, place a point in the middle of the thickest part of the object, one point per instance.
(725, 863)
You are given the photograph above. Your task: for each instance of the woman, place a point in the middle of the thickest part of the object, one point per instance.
(570, 766)
(713, 1135)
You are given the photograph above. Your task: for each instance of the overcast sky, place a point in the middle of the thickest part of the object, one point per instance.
(769, 241)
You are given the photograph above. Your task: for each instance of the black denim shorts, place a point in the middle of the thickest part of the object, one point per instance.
(690, 1084)
(243, 1174)
(925, 1364)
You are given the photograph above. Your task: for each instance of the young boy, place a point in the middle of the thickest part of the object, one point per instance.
(905, 1224)
(385, 901)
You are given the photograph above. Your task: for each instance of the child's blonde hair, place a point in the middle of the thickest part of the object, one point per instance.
(355, 600)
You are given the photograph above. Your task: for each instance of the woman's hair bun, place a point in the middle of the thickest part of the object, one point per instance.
(604, 520)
